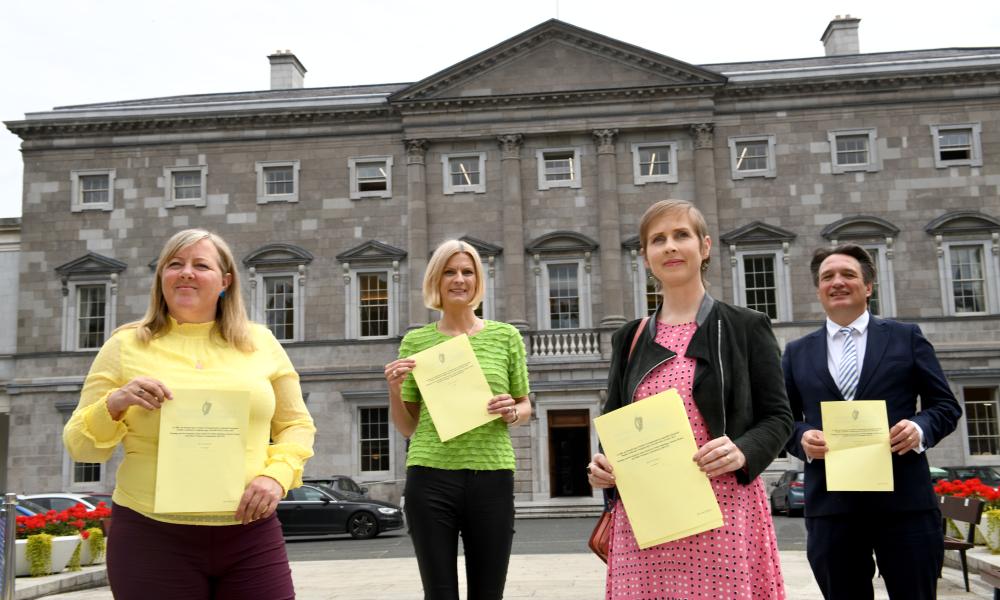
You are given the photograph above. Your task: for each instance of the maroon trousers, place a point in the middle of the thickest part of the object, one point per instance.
(151, 560)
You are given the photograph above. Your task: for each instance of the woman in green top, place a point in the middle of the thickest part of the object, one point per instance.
(465, 485)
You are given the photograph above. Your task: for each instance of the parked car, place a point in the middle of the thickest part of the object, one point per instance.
(320, 510)
(60, 501)
(789, 493)
(988, 475)
(27, 508)
(341, 484)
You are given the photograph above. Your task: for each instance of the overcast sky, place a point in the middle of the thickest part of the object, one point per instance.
(58, 53)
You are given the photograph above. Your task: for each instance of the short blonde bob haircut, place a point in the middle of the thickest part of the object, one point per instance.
(675, 207)
(435, 270)
(231, 323)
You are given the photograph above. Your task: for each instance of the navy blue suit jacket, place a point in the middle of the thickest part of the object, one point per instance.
(899, 366)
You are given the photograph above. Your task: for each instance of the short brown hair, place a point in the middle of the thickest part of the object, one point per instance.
(665, 207)
(435, 269)
(854, 251)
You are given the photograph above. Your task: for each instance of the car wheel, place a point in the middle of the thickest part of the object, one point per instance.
(362, 526)
(774, 507)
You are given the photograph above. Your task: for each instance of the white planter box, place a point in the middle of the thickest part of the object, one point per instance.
(62, 550)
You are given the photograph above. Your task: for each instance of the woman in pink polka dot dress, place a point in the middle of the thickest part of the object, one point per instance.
(724, 362)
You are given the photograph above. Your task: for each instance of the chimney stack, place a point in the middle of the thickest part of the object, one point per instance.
(287, 73)
(841, 36)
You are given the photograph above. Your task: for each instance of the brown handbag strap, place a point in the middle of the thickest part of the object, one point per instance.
(635, 338)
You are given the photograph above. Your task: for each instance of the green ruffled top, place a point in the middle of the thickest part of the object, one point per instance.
(501, 354)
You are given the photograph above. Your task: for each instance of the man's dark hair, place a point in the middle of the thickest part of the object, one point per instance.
(854, 251)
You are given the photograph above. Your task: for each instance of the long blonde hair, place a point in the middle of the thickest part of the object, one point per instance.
(231, 323)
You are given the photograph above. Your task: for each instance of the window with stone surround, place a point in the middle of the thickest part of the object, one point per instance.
(654, 162)
(982, 420)
(957, 145)
(374, 448)
(758, 260)
(853, 150)
(371, 287)
(370, 177)
(277, 181)
(185, 185)
(966, 266)
(277, 279)
(92, 189)
(752, 156)
(464, 173)
(558, 167)
(968, 251)
(90, 291)
(562, 267)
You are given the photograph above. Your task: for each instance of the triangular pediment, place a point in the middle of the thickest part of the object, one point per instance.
(557, 57)
(484, 249)
(963, 221)
(278, 255)
(91, 263)
(371, 251)
(757, 232)
(561, 241)
(859, 227)
(632, 243)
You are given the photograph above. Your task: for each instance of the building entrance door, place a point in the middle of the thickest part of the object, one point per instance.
(569, 452)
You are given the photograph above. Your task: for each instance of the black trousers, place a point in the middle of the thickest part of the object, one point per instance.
(908, 547)
(442, 504)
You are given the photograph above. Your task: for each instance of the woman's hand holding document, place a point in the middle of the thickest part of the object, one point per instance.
(201, 458)
(454, 387)
(857, 434)
(650, 446)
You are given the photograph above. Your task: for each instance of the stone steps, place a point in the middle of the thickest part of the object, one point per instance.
(556, 510)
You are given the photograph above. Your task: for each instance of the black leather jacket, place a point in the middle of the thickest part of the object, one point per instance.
(738, 383)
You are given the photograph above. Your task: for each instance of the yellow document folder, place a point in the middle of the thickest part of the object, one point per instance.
(859, 458)
(454, 387)
(201, 459)
(650, 446)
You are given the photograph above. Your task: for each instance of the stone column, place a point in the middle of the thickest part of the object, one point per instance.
(513, 231)
(416, 228)
(609, 229)
(705, 197)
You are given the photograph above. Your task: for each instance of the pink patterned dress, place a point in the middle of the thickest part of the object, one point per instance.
(736, 561)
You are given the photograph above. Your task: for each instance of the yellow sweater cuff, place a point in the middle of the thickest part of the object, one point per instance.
(105, 431)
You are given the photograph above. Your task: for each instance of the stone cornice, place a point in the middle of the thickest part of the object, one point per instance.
(867, 83)
(547, 99)
(29, 129)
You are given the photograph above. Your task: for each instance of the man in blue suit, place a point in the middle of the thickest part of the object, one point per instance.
(858, 356)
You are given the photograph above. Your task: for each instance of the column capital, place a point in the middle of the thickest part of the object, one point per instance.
(510, 145)
(415, 151)
(703, 135)
(605, 140)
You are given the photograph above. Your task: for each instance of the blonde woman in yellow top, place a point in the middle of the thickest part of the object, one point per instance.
(194, 335)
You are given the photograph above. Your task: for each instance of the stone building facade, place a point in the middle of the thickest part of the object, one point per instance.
(543, 152)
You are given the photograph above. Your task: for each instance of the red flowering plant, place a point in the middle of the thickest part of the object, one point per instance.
(67, 522)
(970, 488)
(52, 523)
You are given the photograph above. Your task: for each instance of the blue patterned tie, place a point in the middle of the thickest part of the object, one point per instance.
(847, 379)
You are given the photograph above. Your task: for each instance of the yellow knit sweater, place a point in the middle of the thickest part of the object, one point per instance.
(280, 435)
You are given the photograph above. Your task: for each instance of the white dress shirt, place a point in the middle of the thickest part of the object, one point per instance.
(835, 350)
